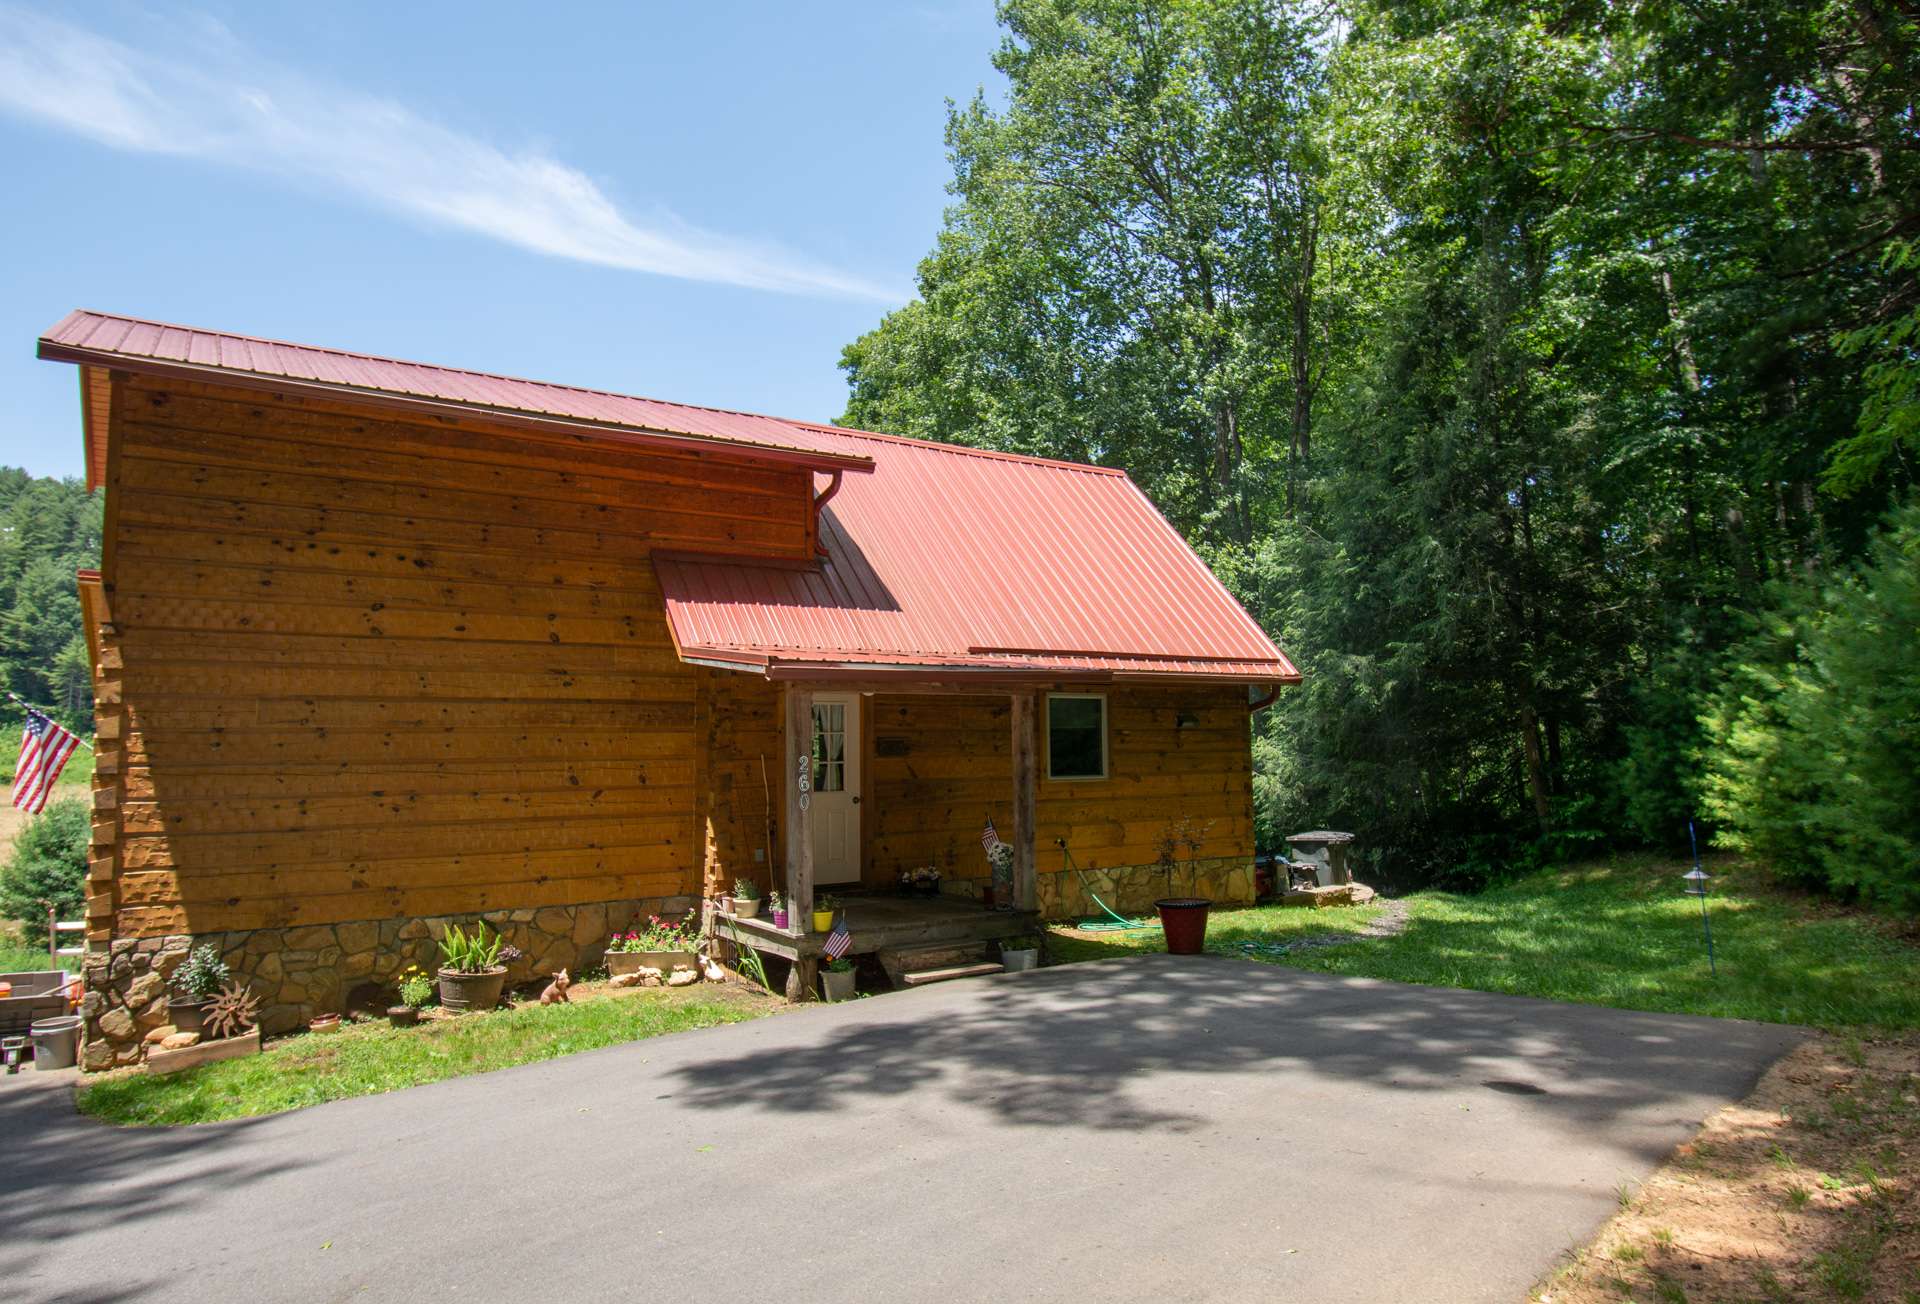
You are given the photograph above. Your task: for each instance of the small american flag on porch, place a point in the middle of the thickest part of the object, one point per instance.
(989, 836)
(838, 942)
(45, 749)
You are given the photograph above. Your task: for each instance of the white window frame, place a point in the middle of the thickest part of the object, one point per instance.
(1106, 732)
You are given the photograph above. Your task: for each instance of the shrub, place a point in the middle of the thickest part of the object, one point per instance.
(1815, 739)
(49, 863)
(203, 974)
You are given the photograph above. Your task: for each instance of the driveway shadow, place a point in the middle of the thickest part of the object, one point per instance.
(1067, 1047)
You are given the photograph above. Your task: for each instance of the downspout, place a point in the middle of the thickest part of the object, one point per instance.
(820, 500)
(1258, 705)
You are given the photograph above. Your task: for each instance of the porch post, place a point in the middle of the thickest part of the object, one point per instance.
(799, 781)
(1025, 777)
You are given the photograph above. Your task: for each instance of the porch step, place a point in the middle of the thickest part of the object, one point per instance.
(921, 977)
(916, 966)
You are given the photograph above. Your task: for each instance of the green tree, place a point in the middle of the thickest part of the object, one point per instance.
(48, 864)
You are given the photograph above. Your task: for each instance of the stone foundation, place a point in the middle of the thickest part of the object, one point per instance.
(1128, 889)
(301, 972)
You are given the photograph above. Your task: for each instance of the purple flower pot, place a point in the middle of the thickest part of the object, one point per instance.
(779, 919)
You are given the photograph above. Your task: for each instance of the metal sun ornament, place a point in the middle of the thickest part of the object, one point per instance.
(1696, 881)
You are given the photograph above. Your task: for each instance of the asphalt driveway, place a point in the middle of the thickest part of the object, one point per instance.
(1155, 1128)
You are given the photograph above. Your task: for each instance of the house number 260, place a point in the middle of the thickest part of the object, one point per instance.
(805, 780)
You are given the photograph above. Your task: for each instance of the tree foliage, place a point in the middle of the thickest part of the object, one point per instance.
(1815, 737)
(49, 529)
(48, 864)
(1503, 359)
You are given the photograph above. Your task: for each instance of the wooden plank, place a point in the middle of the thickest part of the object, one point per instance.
(1025, 765)
(206, 1052)
(309, 422)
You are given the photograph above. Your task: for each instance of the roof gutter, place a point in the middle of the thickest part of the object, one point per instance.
(564, 427)
(1260, 704)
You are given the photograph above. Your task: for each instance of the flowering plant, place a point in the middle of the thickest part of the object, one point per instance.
(924, 876)
(658, 935)
(416, 988)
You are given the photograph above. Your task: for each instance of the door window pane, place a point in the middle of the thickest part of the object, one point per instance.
(829, 747)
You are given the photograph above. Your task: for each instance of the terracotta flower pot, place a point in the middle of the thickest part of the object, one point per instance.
(462, 992)
(324, 1023)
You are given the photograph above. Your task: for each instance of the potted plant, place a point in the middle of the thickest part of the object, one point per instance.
(1019, 954)
(1183, 919)
(836, 979)
(923, 881)
(746, 898)
(777, 907)
(661, 946)
(197, 981)
(471, 974)
(416, 989)
(823, 910)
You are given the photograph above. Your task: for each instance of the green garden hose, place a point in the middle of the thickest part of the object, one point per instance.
(1113, 923)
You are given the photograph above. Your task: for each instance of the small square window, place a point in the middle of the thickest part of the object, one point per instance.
(1076, 736)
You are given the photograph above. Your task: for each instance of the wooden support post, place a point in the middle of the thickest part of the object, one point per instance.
(802, 978)
(799, 782)
(1026, 764)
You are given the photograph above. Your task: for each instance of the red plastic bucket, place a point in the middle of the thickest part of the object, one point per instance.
(1184, 920)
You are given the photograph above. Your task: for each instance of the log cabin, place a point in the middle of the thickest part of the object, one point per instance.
(378, 646)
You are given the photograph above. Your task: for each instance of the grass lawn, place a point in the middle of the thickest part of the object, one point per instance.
(15, 958)
(1614, 933)
(369, 1058)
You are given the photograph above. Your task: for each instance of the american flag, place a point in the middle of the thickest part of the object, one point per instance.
(44, 750)
(838, 942)
(989, 836)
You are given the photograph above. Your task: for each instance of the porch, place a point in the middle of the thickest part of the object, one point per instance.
(881, 923)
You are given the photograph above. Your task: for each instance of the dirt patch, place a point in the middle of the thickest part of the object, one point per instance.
(1806, 1190)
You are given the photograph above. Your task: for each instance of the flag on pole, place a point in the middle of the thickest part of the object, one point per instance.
(989, 836)
(45, 749)
(838, 942)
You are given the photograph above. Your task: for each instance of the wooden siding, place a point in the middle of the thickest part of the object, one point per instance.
(942, 765)
(376, 668)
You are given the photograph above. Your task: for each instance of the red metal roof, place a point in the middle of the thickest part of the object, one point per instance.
(108, 340)
(975, 563)
(946, 559)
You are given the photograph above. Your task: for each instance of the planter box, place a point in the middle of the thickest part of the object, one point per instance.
(207, 1052)
(661, 962)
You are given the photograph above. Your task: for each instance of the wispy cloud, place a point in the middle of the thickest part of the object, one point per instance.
(212, 99)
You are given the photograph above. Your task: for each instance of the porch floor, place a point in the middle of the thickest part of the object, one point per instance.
(886, 922)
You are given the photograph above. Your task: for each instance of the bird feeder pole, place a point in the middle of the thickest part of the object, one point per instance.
(1697, 886)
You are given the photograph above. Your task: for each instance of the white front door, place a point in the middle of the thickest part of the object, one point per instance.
(836, 788)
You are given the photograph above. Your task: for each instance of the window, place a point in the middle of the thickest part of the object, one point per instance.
(1076, 736)
(829, 747)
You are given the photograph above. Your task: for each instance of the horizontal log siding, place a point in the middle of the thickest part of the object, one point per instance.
(744, 834)
(372, 668)
(928, 804)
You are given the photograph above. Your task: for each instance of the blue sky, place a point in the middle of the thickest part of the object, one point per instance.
(692, 202)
